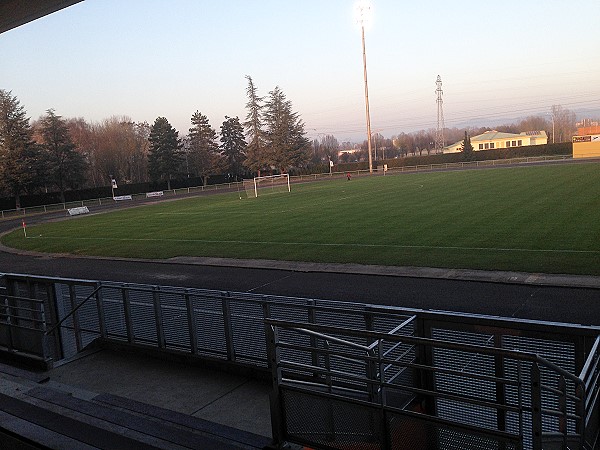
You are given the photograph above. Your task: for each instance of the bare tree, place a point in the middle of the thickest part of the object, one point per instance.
(564, 124)
(534, 123)
(82, 135)
(119, 147)
(328, 149)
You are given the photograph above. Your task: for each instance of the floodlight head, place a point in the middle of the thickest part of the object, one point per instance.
(363, 13)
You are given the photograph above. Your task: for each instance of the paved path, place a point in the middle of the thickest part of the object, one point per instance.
(495, 293)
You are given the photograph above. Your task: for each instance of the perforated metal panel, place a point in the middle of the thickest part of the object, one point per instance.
(209, 324)
(328, 423)
(463, 363)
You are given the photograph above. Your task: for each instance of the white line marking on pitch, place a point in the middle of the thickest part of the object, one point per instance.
(323, 244)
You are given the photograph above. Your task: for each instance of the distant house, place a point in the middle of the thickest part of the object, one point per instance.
(348, 151)
(495, 139)
(348, 154)
(587, 142)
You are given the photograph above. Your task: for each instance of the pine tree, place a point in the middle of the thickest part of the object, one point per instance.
(467, 148)
(233, 145)
(164, 157)
(65, 166)
(204, 158)
(285, 142)
(255, 158)
(18, 153)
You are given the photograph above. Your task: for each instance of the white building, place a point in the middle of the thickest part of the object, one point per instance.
(495, 139)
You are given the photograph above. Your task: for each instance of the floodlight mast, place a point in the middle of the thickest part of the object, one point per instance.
(363, 10)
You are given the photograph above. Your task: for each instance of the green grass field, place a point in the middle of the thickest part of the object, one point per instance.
(534, 219)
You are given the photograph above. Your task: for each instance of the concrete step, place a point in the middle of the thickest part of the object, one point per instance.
(15, 372)
(34, 415)
(48, 429)
(21, 434)
(170, 435)
(37, 412)
(233, 435)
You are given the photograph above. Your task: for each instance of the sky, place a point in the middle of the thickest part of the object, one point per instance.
(144, 59)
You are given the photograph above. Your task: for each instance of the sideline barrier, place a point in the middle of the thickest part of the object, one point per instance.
(78, 210)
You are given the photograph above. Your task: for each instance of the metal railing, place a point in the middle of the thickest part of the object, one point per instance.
(471, 375)
(590, 374)
(23, 326)
(441, 166)
(221, 325)
(535, 405)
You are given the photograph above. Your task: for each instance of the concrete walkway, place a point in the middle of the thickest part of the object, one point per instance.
(538, 279)
(227, 399)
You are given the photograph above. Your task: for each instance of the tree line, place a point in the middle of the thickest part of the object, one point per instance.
(54, 154)
(58, 154)
(559, 125)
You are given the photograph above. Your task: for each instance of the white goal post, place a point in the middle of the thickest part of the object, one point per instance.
(267, 184)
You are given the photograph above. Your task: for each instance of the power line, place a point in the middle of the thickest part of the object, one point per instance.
(508, 112)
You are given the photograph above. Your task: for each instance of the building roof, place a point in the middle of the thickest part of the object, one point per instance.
(494, 135)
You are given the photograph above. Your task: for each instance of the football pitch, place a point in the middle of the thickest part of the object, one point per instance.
(529, 218)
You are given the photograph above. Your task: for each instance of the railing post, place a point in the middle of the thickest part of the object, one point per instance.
(369, 321)
(312, 318)
(371, 376)
(52, 318)
(381, 373)
(9, 316)
(75, 318)
(581, 411)
(226, 308)
(100, 307)
(327, 366)
(386, 438)
(330, 413)
(127, 314)
(160, 331)
(278, 427)
(266, 307)
(191, 315)
(536, 408)
(562, 407)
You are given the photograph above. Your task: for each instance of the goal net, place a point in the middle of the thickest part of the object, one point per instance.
(267, 185)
